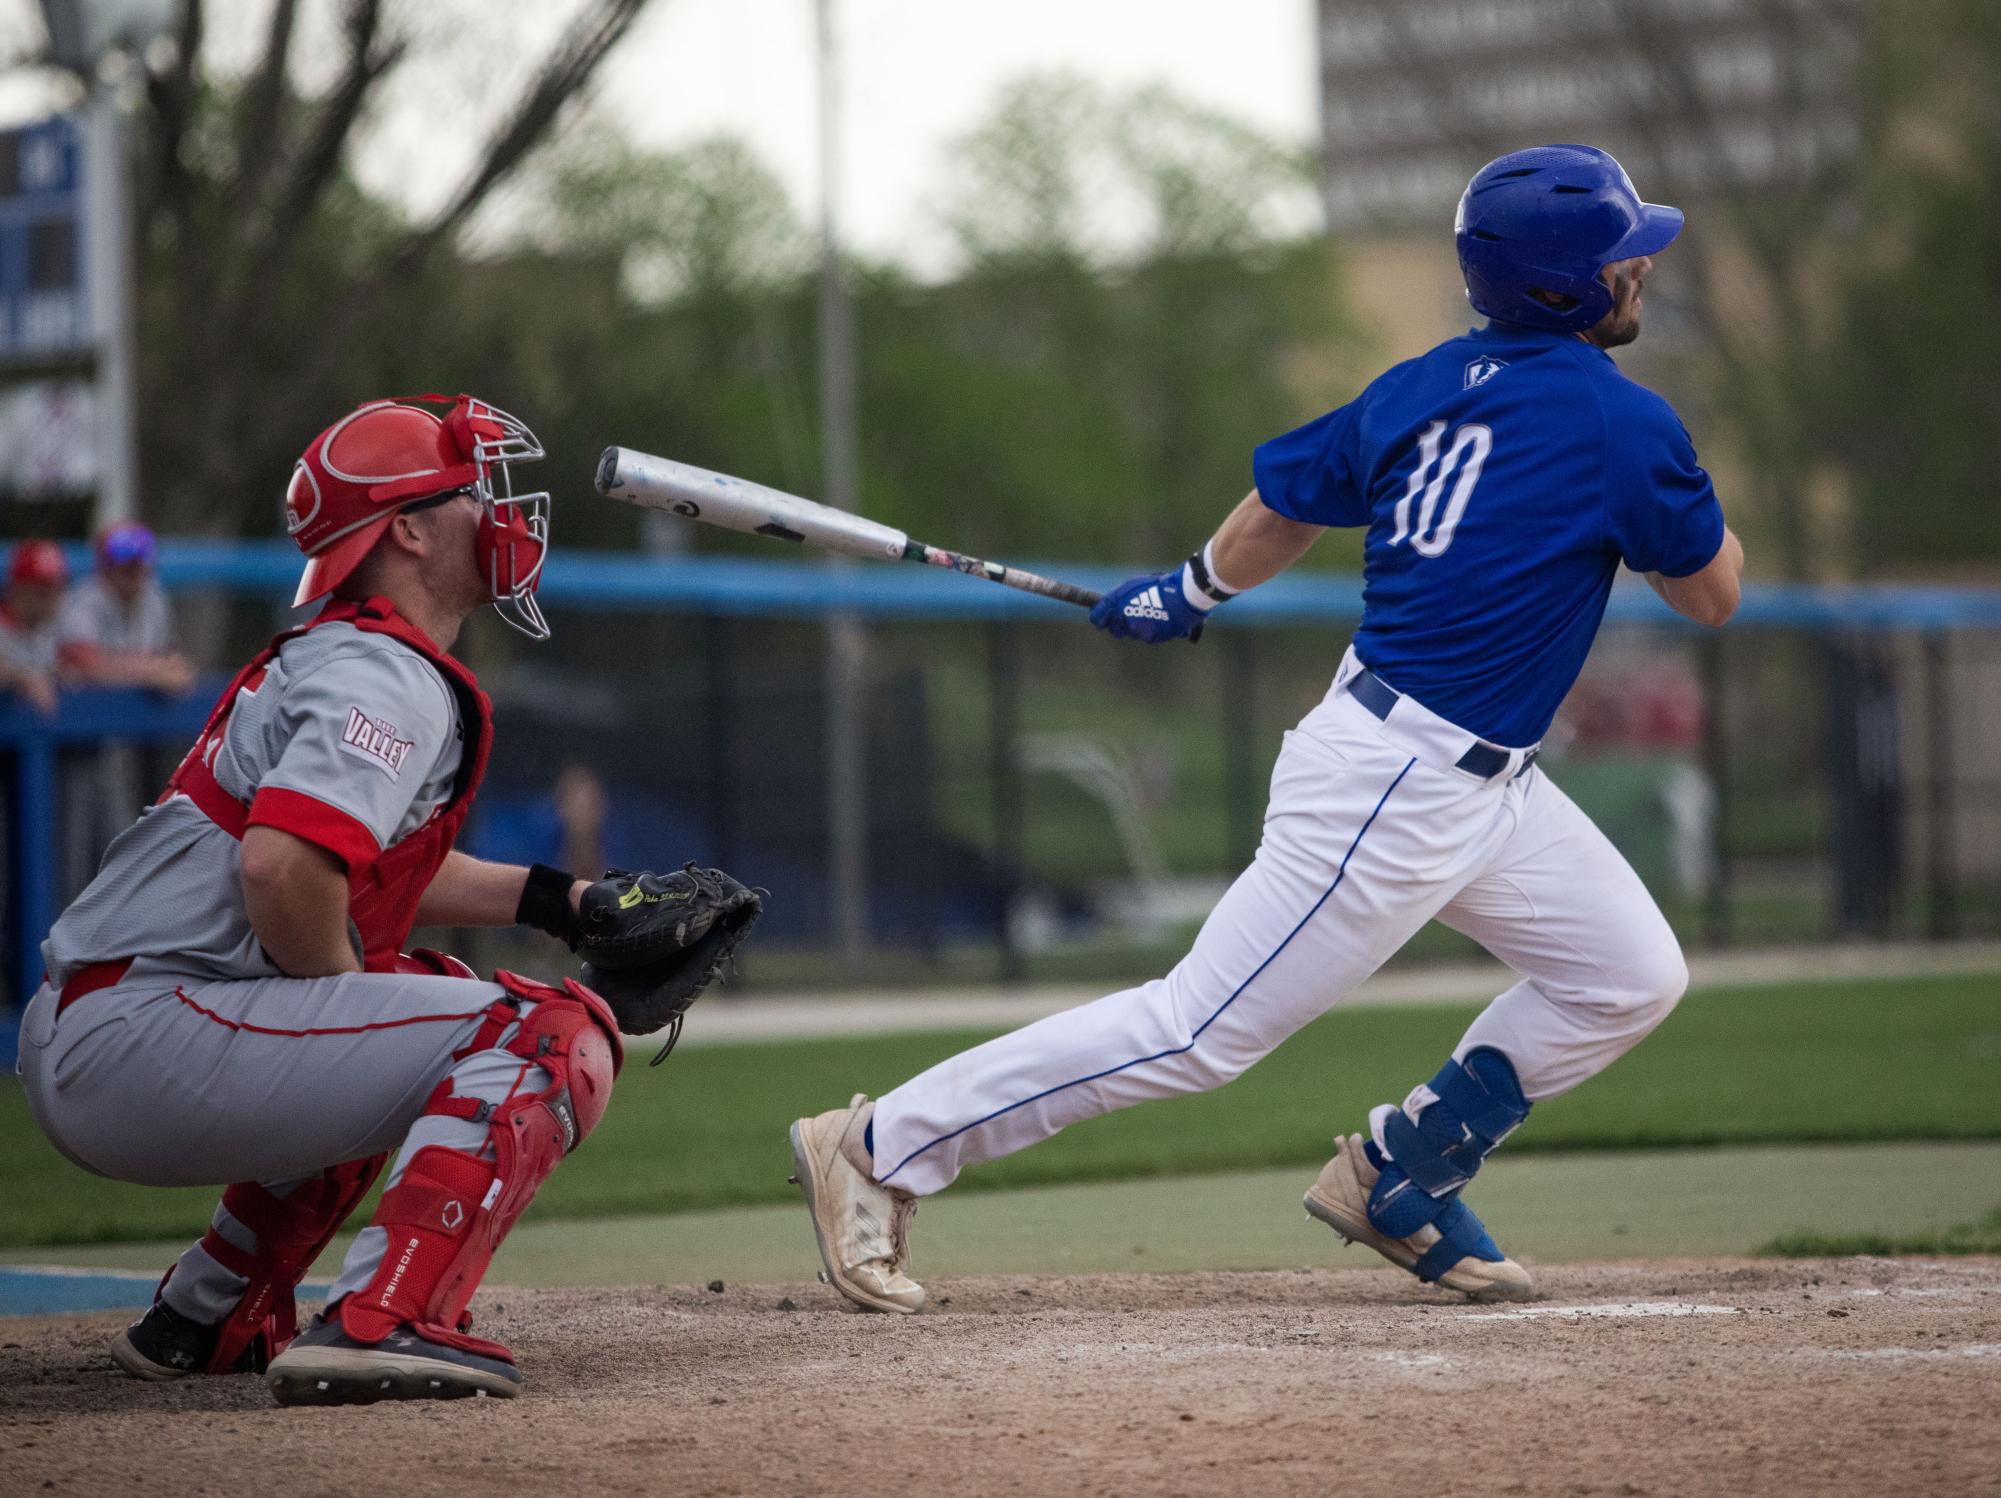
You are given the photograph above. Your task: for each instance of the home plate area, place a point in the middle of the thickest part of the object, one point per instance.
(1852, 1376)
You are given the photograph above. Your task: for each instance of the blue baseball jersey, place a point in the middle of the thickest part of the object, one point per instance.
(1503, 478)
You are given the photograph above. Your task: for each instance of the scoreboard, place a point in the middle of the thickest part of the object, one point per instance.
(44, 302)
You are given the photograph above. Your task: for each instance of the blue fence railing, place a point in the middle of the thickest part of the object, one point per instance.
(788, 586)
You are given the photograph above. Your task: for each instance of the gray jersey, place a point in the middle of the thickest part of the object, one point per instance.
(351, 741)
(94, 618)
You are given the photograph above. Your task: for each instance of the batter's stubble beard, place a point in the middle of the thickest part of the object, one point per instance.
(1621, 325)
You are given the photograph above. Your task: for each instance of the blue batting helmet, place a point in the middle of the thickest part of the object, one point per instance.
(1550, 219)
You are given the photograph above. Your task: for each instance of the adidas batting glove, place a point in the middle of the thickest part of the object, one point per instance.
(1160, 607)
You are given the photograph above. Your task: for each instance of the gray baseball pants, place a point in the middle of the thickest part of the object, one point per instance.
(268, 1080)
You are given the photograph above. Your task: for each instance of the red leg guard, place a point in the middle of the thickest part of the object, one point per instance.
(291, 1232)
(450, 1210)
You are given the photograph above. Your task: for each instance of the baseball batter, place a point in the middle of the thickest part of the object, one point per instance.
(1502, 479)
(228, 1000)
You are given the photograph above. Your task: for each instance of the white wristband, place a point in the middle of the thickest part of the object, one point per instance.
(1199, 583)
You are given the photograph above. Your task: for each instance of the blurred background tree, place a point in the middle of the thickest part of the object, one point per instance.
(273, 286)
(1133, 278)
(1074, 386)
(1901, 388)
(1138, 273)
(1842, 313)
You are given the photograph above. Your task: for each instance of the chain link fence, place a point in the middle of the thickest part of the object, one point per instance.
(1044, 803)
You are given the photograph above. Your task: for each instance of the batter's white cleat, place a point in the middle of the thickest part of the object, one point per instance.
(863, 1228)
(1340, 1198)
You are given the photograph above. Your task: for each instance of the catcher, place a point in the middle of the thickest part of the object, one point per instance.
(229, 1001)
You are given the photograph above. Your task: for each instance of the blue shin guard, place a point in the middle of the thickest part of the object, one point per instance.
(1479, 1103)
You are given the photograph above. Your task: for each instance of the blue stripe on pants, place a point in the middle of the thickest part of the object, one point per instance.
(1339, 875)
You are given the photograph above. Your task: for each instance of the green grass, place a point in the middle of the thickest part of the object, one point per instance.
(1109, 962)
(1981, 1237)
(1825, 1062)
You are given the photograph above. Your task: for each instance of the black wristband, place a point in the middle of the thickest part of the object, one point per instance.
(545, 902)
(1205, 580)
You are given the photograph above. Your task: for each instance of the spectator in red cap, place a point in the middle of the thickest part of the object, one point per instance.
(116, 629)
(37, 577)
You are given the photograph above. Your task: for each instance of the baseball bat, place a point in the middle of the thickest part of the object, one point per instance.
(739, 505)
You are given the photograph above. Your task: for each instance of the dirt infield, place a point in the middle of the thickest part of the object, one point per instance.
(1850, 1377)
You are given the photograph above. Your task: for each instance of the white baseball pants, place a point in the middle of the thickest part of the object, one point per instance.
(1371, 831)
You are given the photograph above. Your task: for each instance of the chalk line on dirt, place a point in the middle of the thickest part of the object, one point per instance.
(1622, 1308)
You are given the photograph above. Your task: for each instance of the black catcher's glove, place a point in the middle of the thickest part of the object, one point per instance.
(652, 942)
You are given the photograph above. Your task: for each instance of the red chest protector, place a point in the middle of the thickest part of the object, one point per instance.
(382, 894)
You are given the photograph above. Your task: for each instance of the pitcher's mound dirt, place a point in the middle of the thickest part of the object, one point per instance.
(1847, 1377)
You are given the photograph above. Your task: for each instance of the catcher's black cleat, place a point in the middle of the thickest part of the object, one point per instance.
(163, 1344)
(324, 1365)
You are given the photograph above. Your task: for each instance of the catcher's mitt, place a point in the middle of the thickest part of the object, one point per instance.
(652, 942)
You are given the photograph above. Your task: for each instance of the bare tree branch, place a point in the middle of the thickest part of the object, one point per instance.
(369, 59)
(260, 132)
(241, 235)
(171, 94)
(171, 189)
(240, 287)
(568, 68)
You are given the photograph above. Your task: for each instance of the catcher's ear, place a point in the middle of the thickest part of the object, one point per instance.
(403, 536)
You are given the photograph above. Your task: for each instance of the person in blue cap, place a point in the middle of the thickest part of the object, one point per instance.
(116, 628)
(1501, 480)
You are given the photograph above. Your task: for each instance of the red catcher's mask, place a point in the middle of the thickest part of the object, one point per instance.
(390, 454)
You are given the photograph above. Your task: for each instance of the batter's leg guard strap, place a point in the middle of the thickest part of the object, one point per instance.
(450, 1210)
(1461, 1235)
(291, 1231)
(1478, 1103)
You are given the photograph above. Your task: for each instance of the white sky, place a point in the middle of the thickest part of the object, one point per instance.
(917, 73)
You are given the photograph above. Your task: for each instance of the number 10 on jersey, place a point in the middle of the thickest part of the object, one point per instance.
(1467, 455)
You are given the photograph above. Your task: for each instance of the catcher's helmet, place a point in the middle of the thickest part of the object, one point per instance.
(1550, 219)
(389, 455)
